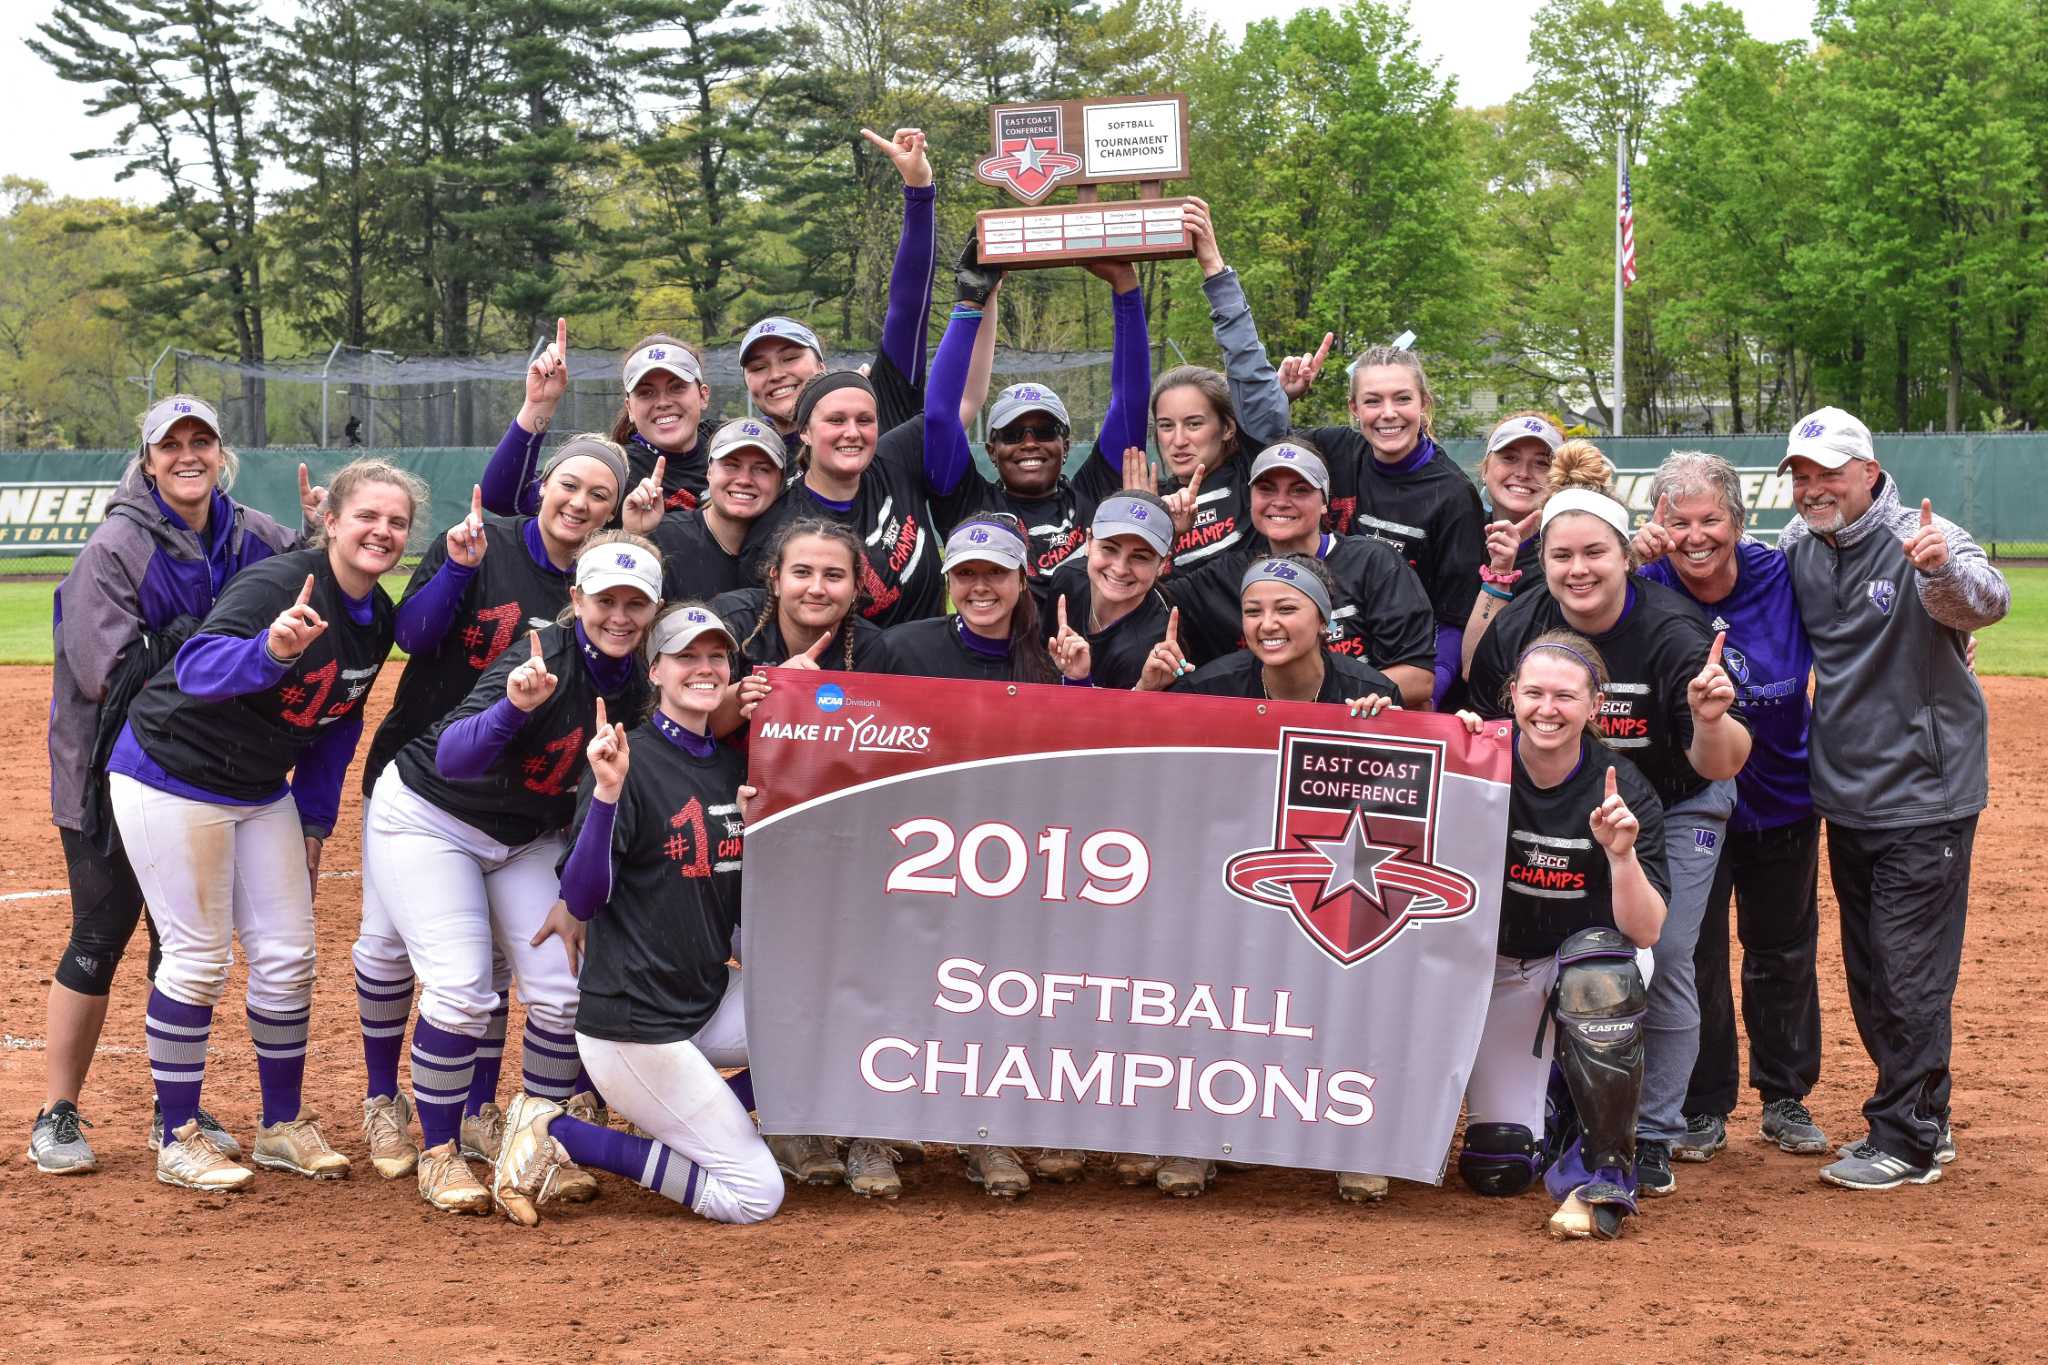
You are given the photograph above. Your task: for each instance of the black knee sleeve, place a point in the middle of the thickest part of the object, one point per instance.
(105, 904)
(1601, 1000)
(1499, 1158)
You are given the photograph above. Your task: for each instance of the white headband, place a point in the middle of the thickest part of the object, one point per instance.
(1586, 500)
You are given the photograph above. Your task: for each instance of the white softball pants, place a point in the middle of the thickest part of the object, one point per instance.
(211, 873)
(447, 890)
(673, 1093)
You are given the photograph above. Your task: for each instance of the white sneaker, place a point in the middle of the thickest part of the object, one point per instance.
(192, 1161)
(298, 1146)
(529, 1160)
(387, 1132)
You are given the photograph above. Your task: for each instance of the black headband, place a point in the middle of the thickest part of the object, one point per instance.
(828, 382)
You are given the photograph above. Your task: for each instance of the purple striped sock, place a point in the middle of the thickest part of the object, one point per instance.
(490, 1061)
(382, 1006)
(643, 1161)
(280, 1041)
(177, 1035)
(550, 1063)
(442, 1065)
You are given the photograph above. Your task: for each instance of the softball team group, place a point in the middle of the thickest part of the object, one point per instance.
(557, 796)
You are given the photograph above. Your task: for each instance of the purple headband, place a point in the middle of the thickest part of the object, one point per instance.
(1591, 671)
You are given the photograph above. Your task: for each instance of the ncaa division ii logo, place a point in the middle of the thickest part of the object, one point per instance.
(1354, 842)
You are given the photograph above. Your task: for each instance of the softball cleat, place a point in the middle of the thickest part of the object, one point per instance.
(1183, 1177)
(298, 1146)
(447, 1183)
(529, 1162)
(997, 1171)
(482, 1132)
(871, 1170)
(1356, 1187)
(192, 1161)
(387, 1124)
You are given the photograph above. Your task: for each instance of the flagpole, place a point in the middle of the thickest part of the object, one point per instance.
(1620, 169)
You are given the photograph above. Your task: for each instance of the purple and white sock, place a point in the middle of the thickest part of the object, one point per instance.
(280, 1041)
(442, 1067)
(641, 1160)
(550, 1063)
(177, 1035)
(490, 1061)
(383, 1006)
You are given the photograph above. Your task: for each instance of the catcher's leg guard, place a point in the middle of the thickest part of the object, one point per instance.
(1601, 999)
(1499, 1158)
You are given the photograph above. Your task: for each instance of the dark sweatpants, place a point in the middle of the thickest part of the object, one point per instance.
(1773, 876)
(1904, 895)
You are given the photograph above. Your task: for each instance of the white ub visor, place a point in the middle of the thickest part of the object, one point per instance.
(618, 564)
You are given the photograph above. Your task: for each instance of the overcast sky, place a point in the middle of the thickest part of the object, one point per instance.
(1483, 43)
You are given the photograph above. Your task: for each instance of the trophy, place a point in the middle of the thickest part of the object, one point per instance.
(1039, 148)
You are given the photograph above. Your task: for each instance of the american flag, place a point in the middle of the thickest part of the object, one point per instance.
(1628, 233)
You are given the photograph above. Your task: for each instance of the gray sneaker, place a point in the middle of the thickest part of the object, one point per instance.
(1790, 1124)
(1868, 1168)
(1705, 1134)
(1944, 1150)
(208, 1125)
(57, 1145)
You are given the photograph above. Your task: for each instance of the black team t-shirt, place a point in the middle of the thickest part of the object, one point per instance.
(1427, 509)
(1657, 647)
(1116, 654)
(694, 566)
(510, 592)
(530, 789)
(1558, 881)
(654, 964)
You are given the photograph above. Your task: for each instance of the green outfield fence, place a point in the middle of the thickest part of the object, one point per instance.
(1995, 485)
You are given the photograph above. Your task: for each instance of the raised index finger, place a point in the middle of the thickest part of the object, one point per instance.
(306, 593)
(1663, 517)
(1173, 627)
(476, 501)
(305, 484)
(1528, 523)
(562, 338)
(660, 472)
(600, 715)
(1714, 654)
(879, 141)
(1323, 351)
(1926, 513)
(1063, 615)
(533, 639)
(1612, 788)
(1195, 481)
(817, 649)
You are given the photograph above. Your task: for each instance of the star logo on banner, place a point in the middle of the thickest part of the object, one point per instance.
(1030, 157)
(1355, 862)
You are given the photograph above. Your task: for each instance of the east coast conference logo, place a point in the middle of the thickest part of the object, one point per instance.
(1030, 159)
(1354, 843)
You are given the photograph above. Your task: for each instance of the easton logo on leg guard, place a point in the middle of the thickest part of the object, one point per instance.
(1354, 843)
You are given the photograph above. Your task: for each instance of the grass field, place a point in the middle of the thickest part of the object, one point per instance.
(2016, 645)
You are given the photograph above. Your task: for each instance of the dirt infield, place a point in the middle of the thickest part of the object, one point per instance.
(1753, 1257)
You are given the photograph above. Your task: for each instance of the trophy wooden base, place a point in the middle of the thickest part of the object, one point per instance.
(1069, 234)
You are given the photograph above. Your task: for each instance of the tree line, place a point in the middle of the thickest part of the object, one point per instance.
(1857, 220)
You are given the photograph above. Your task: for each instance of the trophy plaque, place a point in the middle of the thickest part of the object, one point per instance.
(1039, 148)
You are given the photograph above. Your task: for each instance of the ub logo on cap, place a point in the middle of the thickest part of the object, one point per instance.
(625, 560)
(181, 407)
(1531, 424)
(978, 536)
(1141, 513)
(697, 618)
(1810, 429)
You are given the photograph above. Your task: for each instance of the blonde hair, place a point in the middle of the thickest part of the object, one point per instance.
(1400, 358)
(356, 475)
(1581, 464)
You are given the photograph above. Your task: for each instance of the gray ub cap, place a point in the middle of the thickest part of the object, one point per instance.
(1287, 455)
(744, 433)
(168, 412)
(786, 329)
(1019, 399)
(1123, 514)
(662, 355)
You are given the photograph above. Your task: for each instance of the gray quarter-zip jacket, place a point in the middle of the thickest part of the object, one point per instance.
(1899, 724)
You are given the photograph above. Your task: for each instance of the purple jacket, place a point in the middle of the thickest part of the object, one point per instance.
(142, 569)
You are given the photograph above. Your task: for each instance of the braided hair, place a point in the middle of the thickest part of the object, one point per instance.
(771, 567)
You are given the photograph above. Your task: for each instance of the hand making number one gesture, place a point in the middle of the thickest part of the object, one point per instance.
(530, 684)
(1712, 692)
(906, 150)
(1165, 662)
(1298, 373)
(1181, 502)
(647, 501)
(609, 757)
(466, 543)
(1612, 822)
(1504, 540)
(296, 627)
(808, 658)
(1069, 649)
(547, 379)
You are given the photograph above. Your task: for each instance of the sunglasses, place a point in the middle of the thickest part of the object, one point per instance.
(1018, 432)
